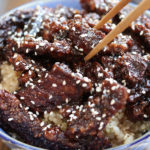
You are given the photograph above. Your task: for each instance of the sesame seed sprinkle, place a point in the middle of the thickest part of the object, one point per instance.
(64, 82)
(32, 102)
(50, 97)
(54, 85)
(10, 119)
(84, 85)
(42, 124)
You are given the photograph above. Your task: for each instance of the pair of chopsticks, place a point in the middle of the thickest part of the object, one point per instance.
(125, 23)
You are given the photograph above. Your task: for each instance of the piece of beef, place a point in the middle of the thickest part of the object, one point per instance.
(57, 87)
(138, 107)
(89, 120)
(99, 6)
(9, 25)
(14, 117)
(130, 68)
(83, 37)
(93, 70)
(140, 27)
(92, 19)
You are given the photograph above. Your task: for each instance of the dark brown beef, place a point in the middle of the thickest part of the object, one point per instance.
(57, 87)
(89, 120)
(130, 68)
(140, 27)
(99, 6)
(12, 24)
(138, 107)
(58, 50)
(92, 19)
(94, 71)
(83, 37)
(14, 117)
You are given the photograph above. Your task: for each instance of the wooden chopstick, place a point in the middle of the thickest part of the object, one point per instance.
(126, 22)
(112, 13)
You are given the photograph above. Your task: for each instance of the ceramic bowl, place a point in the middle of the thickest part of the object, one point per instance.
(140, 144)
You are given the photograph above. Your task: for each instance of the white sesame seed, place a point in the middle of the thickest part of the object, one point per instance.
(45, 112)
(81, 107)
(42, 124)
(73, 28)
(145, 116)
(22, 98)
(46, 75)
(43, 69)
(20, 105)
(143, 92)
(27, 50)
(94, 112)
(78, 81)
(27, 108)
(37, 46)
(101, 125)
(34, 115)
(9, 32)
(73, 74)
(68, 111)
(42, 44)
(74, 112)
(86, 79)
(32, 102)
(84, 85)
(59, 107)
(124, 82)
(133, 26)
(76, 47)
(54, 85)
(64, 82)
(51, 49)
(112, 102)
(67, 100)
(31, 118)
(30, 72)
(15, 56)
(49, 125)
(81, 49)
(104, 115)
(83, 35)
(44, 128)
(98, 118)
(10, 119)
(98, 89)
(100, 74)
(141, 33)
(39, 81)
(37, 113)
(50, 97)
(33, 86)
(17, 63)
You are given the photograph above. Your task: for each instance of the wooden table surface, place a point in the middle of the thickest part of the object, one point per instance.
(3, 146)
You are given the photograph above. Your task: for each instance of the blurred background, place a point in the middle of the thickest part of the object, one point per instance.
(6, 5)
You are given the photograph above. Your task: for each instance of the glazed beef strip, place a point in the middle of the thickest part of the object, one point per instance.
(26, 124)
(56, 87)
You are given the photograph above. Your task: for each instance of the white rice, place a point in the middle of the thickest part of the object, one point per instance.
(119, 130)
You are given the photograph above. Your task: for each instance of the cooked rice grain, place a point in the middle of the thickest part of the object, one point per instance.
(119, 130)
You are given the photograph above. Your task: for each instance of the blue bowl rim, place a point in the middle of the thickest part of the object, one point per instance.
(4, 136)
